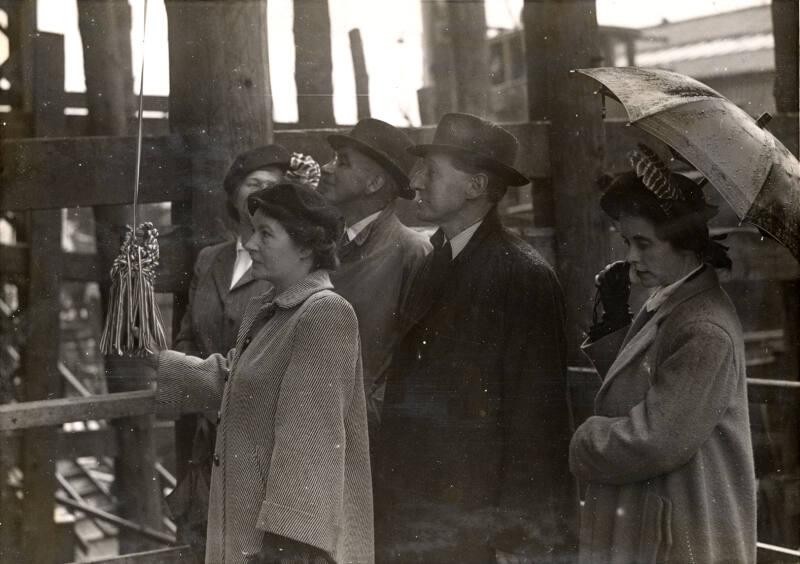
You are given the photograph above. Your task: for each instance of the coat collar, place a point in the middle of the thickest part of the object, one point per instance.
(642, 333)
(299, 292)
(420, 299)
(490, 224)
(365, 233)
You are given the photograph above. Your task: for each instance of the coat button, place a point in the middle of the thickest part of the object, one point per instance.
(219, 417)
(216, 460)
(246, 342)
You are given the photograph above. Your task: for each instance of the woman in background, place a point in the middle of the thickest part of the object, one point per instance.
(290, 478)
(668, 456)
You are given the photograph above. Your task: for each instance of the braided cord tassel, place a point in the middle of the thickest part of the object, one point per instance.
(133, 324)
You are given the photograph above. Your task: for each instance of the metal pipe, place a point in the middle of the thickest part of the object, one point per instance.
(773, 383)
(782, 550)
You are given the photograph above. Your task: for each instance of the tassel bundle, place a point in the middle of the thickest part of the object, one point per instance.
(133, 321)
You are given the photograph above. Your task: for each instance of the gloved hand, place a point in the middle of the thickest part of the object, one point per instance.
(613, 290)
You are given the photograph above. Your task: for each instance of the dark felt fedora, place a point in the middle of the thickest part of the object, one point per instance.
(478, 140)
(385, 144)
(298, 202)
(259, 158)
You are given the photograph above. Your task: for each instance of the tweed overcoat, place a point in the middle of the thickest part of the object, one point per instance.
(668, 455)
(375, 273)
(292, 450)
(474, 439)
(214, 311)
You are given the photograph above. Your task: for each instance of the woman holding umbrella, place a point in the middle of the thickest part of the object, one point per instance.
(291, 478)
(668, 456)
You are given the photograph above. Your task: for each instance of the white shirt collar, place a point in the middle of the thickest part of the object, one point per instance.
(239, 245)
(359, 226)
(458, 242)
(660, 295)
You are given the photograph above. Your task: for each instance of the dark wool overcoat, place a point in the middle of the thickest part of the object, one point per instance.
(668, 455)
(475, 432)
(292, 453)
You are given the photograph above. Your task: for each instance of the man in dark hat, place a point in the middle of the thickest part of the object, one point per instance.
(472, 464)
(379, 255)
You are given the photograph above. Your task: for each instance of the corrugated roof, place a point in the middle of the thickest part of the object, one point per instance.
(745, 22)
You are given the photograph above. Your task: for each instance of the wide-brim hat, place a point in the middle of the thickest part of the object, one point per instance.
(298, 202)
(266, 156)
(383, 143)
(480, 141)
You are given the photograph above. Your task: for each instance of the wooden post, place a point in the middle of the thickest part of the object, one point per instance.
(40, 359)
(360, 72)
(785, 18)
(219, 86)
(560, 36)
(470, 55)
(313, 66)
(105, 32)
(456, 57)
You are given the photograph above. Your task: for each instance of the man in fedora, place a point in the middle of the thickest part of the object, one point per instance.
(472, 465)
(379, 255)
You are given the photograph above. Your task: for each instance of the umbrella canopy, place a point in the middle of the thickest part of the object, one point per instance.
(748, 166)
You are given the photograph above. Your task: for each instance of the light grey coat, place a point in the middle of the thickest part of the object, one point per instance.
(292, 454)
(668, 456)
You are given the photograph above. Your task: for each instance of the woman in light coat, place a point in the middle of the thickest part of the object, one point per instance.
(291, 477)
(668, 456)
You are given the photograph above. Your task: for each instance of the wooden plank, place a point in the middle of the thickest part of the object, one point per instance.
(79, 100)
(143, 530)
(45, 413)
(63, 173)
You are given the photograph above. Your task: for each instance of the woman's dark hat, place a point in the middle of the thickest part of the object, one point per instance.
(482, 142)
(653, 187)
(385, 144)
(299, 202)
(255, 159)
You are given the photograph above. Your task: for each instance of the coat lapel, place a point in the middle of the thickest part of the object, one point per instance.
(222, 269)
(643, 331)
(421, 299)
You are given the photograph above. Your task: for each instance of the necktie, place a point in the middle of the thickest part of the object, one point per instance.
(242, 265)
(440, 265)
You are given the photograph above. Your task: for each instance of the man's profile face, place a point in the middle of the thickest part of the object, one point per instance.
(346, 176)
(440, 188)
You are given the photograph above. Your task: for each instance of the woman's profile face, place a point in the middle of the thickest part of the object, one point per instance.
(252, 183)
(276, 257)
(653, 261)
